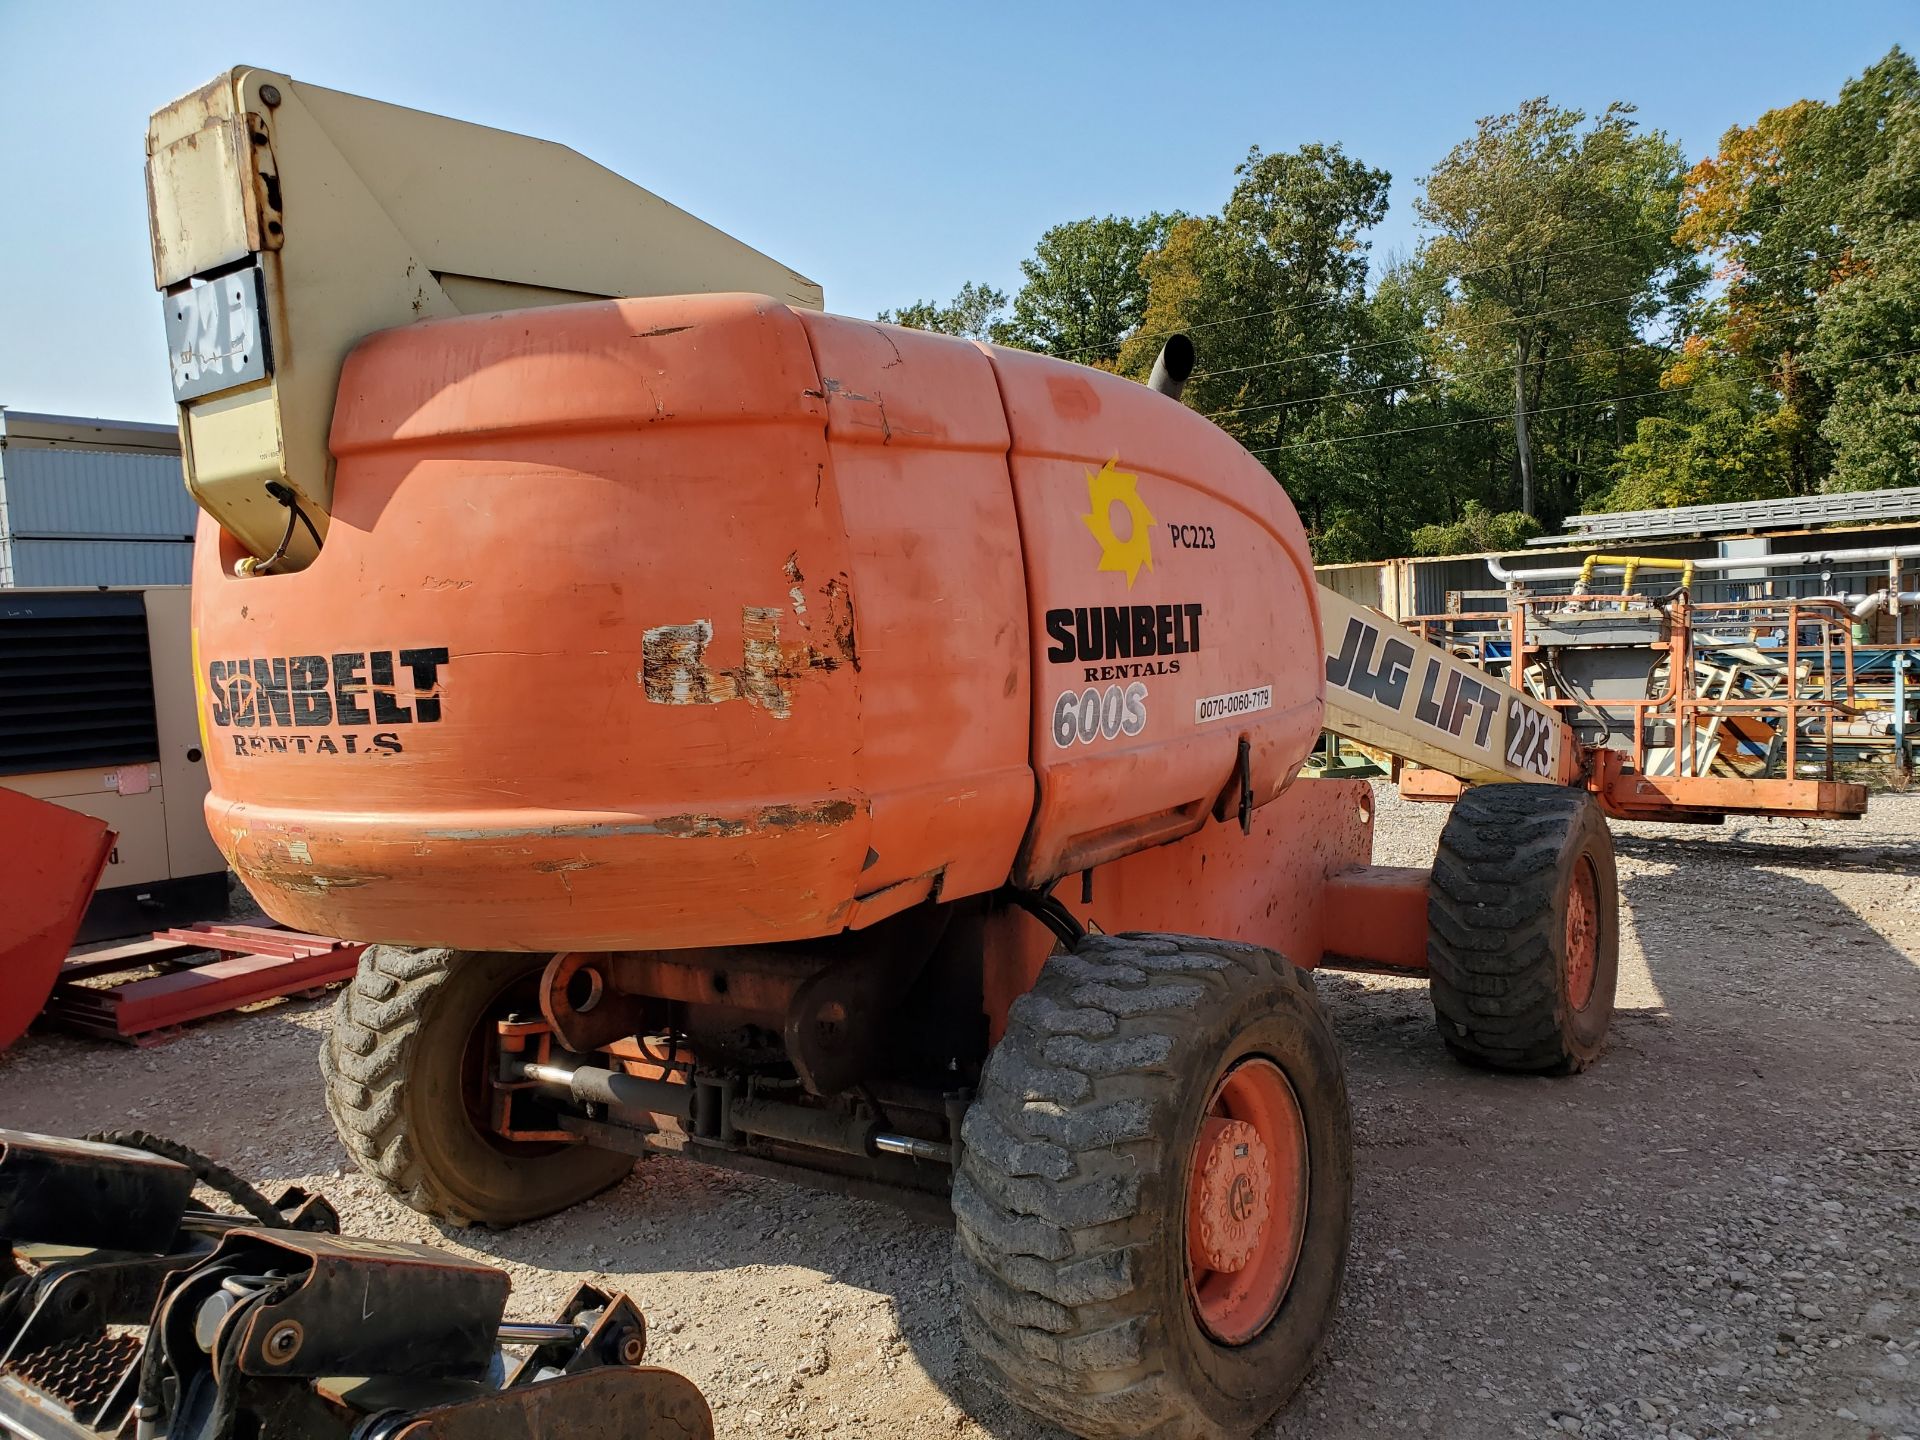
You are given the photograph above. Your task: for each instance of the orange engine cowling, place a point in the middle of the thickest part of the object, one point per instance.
(703, 620)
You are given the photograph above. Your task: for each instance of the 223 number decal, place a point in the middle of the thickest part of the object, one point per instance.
(1082, 716)
(1529, 739)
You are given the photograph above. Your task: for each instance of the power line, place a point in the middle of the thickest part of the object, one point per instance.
(1665, 346)
(1325, 301)
(1401, 339)
(1354, 349)
(1508, 415)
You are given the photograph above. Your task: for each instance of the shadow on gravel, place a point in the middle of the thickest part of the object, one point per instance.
(1719, 939)
(1865, 858)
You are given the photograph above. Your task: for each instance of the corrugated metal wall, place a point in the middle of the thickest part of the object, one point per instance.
(1424, 585)
(91, 502)
(44, 563)
(72, 492)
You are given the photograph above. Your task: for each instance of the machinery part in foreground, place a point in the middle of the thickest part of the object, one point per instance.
(205, 1170)
(128, 1310)
(1156, 1189)
(406, 1073)
(1523, 929)
(50, 859)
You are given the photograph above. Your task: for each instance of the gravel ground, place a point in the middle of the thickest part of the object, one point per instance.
(1714, 1232)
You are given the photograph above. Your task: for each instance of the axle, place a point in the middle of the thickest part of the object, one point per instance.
(715, 1114)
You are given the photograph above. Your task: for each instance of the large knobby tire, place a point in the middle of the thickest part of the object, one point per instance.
(405, 1071)
(1082, 1202)
(1523, 929)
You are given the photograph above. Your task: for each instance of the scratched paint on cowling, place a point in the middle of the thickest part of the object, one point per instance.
(826, 813)
(794, 591)
(675, 668)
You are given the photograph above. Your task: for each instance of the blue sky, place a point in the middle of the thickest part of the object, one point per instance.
(891, 152)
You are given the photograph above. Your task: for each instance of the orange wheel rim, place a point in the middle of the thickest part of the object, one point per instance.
(1583, 934)
(1246, 1201)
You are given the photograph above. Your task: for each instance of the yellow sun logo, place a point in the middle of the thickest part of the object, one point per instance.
(1106, 489)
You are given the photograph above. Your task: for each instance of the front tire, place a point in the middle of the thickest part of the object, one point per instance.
(405, 1072)
(1523, 929)
(1155, 1189)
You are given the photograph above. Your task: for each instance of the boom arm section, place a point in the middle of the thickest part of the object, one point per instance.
(289, 221)
(1396, 692)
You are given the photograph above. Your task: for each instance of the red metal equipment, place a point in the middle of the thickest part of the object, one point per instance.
(50, 860)
(261, 964)
(1720, 680)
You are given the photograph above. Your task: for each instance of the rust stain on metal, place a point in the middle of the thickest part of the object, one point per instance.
(675, 669)
(697, 825)
(269, 871)
(827, 812)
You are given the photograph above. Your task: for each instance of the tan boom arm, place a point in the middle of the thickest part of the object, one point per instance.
(1396, 692)
(290, 221)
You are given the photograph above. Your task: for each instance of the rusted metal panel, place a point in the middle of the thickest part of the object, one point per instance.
(50, 860)
(261, 964)
(199, 185)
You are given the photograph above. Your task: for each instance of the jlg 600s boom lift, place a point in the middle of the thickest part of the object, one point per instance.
(814, 747)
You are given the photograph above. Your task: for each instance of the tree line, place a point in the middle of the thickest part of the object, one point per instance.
(1588, 323)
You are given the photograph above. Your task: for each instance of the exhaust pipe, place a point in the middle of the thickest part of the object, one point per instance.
(1173, 368)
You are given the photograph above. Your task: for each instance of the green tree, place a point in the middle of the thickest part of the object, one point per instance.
(1866, 346)
(1085, 290)
(1476, 531)
(1810, 213)
(1558, 237)
(1273, 292)
(973, 313)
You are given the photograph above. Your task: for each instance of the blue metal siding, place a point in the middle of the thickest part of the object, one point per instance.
(72, 491)
(101, 562)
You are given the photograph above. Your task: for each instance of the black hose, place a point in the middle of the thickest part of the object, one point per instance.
(284, 494)
(208, 1172)
(280, 550)
(1579, 697)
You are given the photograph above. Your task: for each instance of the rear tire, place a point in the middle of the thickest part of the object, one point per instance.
(1083, 1195)
(1523, 931)
(407, 1051)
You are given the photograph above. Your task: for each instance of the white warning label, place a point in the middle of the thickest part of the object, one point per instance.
(1225, 707)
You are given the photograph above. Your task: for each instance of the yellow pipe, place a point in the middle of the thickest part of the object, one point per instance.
(1630, 565)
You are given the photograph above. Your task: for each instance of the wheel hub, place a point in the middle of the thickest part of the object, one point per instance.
(1246, 1201)
(1583, 934)
(1235, 1188)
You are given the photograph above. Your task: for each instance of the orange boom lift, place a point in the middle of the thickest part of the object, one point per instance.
(817, 748)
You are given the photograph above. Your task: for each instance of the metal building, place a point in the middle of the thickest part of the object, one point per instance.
(92, 502)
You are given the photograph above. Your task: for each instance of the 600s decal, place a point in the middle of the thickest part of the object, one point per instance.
(1082, 716)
